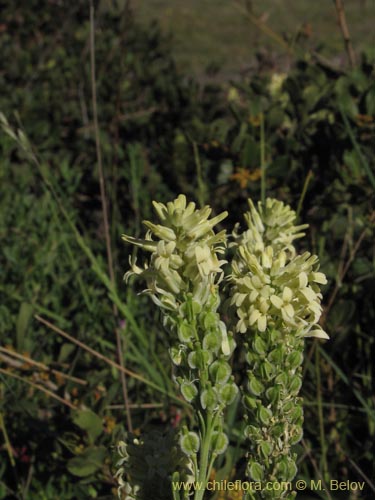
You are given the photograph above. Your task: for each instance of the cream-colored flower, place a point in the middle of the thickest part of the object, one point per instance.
(184, 259)
(272, 286)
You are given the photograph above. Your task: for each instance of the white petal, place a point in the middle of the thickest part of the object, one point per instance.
(262, 323)
(276, 301)
(319, 278)
(287, 294)
(266, 261)
(317, 333)
(254, 316)
(288, 308)
(309, 294)
(303, 280)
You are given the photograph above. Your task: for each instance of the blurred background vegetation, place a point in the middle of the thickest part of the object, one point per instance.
(192, 97)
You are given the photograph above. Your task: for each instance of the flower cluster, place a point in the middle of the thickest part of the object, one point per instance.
(274, 287)
(182, 275)
(185, 259)
(275, 298)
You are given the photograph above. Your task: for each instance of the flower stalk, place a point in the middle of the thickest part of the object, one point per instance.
(183, 276)
(275, 304)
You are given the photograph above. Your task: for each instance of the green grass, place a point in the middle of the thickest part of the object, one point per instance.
(216, 32)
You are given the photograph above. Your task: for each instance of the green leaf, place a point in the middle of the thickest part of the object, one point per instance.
(250, 153)
(90, 422)
(275, 117)
(23, 320)
(65, 351)
(87, 462)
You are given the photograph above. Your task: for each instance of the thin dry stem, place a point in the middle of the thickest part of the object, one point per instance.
(262, 26)
(39, 387)
(105, 211)
(42, 366)
(345, 32)
(104, 358)
(316, 468)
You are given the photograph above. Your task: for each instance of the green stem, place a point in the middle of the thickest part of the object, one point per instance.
(204, 456)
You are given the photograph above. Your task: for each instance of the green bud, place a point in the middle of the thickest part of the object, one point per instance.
(176, 355)
(294, 359)
(255, 387)
(288, 407)
(277, 430)
(259, 345)
(228, 393)
(265, 448)
(185, 332)
(250, 402)
(212, 341)
(282, 379)
(295, 384)
(219, 442)
(189, 391)
(296, 415)
(264, 415)
(255, 471)
(296, 436)
(267, 370)
(211, 320)
(190, 443)
(209, 399)
(199, 359)
(273, 394)
(275, 356)
(220, 371)
(286, 469)
(253, 433)
(196, 307)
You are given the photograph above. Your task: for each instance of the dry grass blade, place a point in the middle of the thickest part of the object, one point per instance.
(316, 468)
(42, 366)
(39, 387)
(345, 31)
(107, 360)
(362, 474)
(263, 26)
